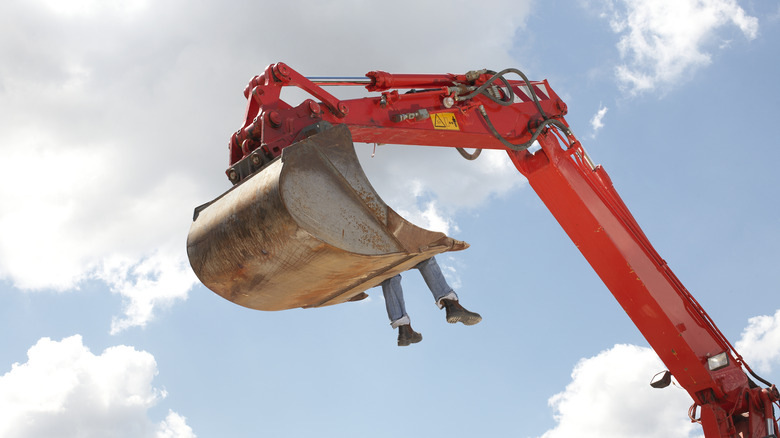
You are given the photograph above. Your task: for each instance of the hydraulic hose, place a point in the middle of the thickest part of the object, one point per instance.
(468, 156)
(526, 145)
(500, 75)
(483, 89)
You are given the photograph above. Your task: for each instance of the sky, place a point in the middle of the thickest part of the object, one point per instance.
(114, 121)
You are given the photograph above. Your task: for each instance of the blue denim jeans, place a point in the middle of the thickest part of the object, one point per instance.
(394, 294)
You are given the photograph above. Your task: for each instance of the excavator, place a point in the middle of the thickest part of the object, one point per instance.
(303, 227)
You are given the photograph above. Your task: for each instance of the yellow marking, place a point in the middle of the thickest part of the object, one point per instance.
(445, 121)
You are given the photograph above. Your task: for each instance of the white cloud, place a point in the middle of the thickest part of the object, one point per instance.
(614, 385)
(431, 218)
(109, 136)
(155, 281)
(449, 267)
(81, 8)
(174, 426)
(597, 122)
(76, 221)
(610, 396)
(65, 390)
(760, 342)
(427, 185)
(664, 41)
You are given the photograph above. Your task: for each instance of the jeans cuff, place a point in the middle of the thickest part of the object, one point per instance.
(450, 296)
(404, 320)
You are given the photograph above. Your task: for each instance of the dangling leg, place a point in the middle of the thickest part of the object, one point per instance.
(444, 295)
(436, 282)
(396, 311)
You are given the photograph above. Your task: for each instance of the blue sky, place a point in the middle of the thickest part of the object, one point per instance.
(114, 117)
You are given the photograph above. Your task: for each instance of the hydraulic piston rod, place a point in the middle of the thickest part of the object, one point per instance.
(329, 81)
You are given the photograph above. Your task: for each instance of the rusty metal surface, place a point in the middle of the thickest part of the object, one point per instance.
(308, 230)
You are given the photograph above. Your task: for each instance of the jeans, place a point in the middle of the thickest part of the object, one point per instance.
(394, 294)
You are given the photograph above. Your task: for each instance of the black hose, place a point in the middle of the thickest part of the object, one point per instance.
(526, 145)
(468, 156)
(500, 75)
(482, 89)
(769, 384)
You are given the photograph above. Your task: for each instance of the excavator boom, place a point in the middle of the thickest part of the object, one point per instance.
(273, 240)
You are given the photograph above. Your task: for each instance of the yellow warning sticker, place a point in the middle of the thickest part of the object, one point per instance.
(445, 121)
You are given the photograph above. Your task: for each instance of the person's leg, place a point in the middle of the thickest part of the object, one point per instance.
(444, 295)
(394, 301)
(431, 273)
(396, 311)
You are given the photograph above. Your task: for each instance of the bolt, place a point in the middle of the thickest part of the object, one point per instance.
(233, 176)
(314, 107)
(343, 108)
(281, 71)
(448, 102)
(256, 160)
(275, 119)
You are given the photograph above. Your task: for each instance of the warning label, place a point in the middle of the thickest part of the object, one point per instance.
(445, 121)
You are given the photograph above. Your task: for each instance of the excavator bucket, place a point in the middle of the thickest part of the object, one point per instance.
(307, 230)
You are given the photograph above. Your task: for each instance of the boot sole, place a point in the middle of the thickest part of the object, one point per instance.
(407, 342)
(465, 319)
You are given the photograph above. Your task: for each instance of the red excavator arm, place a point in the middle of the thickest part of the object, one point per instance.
(485, 110)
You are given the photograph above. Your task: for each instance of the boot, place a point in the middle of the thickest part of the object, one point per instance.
(406, 335)
(457, 313)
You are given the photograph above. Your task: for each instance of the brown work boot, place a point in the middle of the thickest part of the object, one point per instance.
(457, 313)
(406, 335)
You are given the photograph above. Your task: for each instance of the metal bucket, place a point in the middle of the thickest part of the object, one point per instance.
(308, 230)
